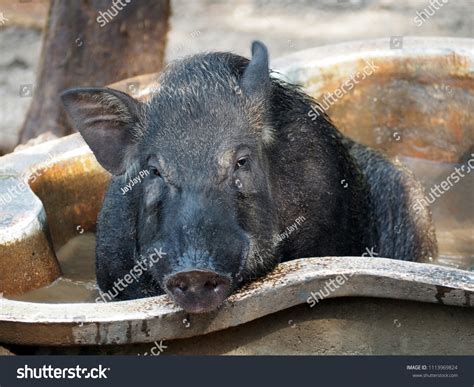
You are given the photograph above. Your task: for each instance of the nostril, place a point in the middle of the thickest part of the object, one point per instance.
(198, 291)
(211, 284)
(177, 286)
(197, 284)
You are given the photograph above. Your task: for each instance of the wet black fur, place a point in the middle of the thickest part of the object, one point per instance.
(308, 165)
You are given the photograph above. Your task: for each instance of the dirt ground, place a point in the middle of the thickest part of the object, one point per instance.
(206, 25)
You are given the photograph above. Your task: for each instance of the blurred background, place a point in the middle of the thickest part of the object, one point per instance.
(204, 25)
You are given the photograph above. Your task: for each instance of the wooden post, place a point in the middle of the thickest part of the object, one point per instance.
(93, 43)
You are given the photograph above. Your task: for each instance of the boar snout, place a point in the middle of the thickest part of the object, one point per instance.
(198, 291)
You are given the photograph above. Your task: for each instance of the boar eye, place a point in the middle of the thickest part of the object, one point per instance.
(241, 162)
(154, 171)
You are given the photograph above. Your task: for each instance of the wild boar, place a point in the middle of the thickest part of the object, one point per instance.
(224, 158)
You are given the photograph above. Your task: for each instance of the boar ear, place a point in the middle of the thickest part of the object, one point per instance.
(255, 81)
(108, 120)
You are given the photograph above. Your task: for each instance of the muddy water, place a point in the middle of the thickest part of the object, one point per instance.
(453, 213)
(77, 284)
(452, 208)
